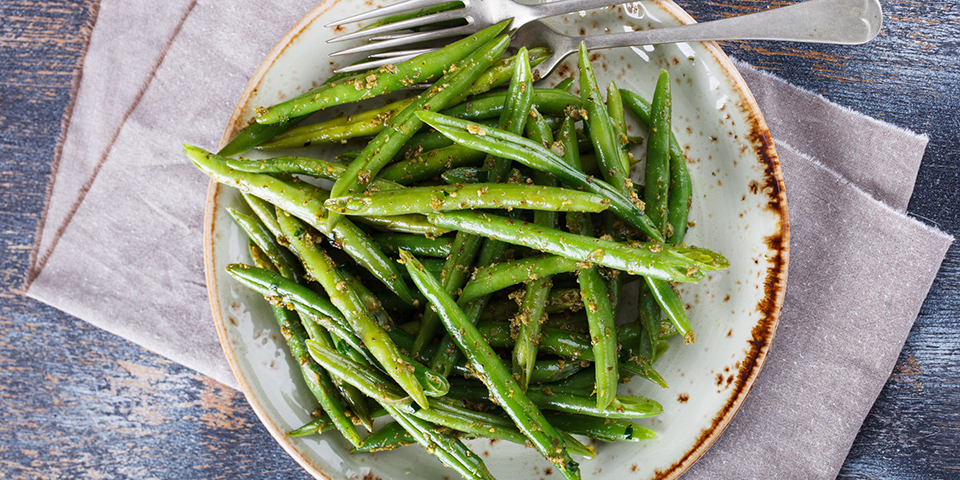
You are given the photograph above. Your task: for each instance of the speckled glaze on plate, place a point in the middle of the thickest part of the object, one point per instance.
(739, 209)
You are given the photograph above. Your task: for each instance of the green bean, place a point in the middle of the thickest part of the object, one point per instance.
(603, 334)
(606, 145)
(418, 244)
(556, 398)
(265, 211)
(372, 382)
(606, 429)
(447, 448)
(577, 346)
(354, 399)
(256, 133)
(638, 367)
(317, 379)
(554, 341)
(649, 316)
(554, 370)
(431, 163)
(489, 279)
(321, 268)
(379, 81)
(544, 371)
(618, 122)
(281, 258)
(448, 354)
(501, 384)
(370, 301)
(548, 101)
(538, 131)
(565, 84)
(450, 414)
(679, 197)
(514, 107)
(388, 142)
(681, 191)
(468, 196)
(531, 316)
(337, 130)
(404, 339)
(622, 406)
(501, 72)
(681, 264)
(657, 172)
(434, 385)
(562, 300)
(453, 275)
(504, 144)
(313, 167)
(434, 162)
(599, 301)
(306, 202)
(313, 427)
(389, 437)
(464, 175)
(472, 390)
(670, 302)
(414, 224)
(599, 306)
(282, 291)
(433, 265)
(424, 141)
(487, 425)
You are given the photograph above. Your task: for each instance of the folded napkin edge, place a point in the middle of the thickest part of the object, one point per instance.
(846, 182)
(86, 30)
(740, 64)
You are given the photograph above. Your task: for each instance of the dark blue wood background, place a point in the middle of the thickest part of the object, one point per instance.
(77, 402)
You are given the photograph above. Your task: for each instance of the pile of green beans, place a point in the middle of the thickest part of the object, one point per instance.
(462, 278)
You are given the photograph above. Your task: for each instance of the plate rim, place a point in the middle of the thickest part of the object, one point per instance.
(775, 283)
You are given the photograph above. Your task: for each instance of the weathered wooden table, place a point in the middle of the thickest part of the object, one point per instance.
(77, 402)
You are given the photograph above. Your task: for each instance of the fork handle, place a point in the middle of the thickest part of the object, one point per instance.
(820, 21)
(560, 7)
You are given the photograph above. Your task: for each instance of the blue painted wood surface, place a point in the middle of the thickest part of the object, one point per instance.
(77, 402)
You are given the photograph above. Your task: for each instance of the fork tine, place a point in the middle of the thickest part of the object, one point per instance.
(409, 23)
(393, 54)
(379, 62)
(396, 41)
(401, 7)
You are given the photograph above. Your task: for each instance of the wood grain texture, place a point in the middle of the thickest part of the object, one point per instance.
(78, 402)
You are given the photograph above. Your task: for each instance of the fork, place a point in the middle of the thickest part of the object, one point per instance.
(478, 14)
(845, 22)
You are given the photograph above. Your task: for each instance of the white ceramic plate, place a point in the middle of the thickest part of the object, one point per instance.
(739, 209)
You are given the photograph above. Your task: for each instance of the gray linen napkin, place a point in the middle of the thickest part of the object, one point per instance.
(100, 259)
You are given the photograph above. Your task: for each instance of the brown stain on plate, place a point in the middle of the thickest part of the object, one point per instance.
(775, 281)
